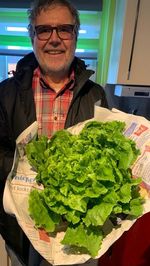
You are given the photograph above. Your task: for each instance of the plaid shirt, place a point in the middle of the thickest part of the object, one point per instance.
(51, 107)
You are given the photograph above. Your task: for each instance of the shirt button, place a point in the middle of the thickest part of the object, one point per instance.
(55, 117)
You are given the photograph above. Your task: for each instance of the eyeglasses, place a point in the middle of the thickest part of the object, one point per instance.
(64, 32)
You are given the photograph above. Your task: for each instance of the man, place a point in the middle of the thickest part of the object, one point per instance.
(51, 86)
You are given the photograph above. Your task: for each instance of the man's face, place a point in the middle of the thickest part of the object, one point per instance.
(54, 55)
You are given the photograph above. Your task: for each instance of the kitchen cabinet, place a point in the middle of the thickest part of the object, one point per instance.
(130, 53)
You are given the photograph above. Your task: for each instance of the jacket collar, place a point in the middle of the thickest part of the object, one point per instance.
(26, 66)
(29, 62)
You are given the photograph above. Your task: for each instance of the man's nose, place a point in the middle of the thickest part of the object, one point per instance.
(54, 37)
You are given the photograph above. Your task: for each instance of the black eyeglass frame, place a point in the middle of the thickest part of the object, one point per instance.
(58, 29)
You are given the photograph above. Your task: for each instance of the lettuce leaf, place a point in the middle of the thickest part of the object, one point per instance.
(81, 236)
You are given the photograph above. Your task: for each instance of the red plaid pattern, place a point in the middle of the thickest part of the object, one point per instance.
(51, 107)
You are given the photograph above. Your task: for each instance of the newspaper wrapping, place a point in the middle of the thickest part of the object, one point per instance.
(21, 181)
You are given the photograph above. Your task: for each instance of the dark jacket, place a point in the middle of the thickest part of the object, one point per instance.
(17, 112)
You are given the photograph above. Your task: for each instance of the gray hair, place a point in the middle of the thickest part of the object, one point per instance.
(38, 5)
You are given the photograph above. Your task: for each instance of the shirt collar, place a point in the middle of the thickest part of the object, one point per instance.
(44, 84)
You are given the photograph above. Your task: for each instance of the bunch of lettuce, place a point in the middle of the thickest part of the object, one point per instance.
(87, 180)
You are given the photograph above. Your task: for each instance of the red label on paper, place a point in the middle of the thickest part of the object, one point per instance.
(140, 130)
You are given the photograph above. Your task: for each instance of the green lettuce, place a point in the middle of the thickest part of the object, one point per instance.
(87, 180)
